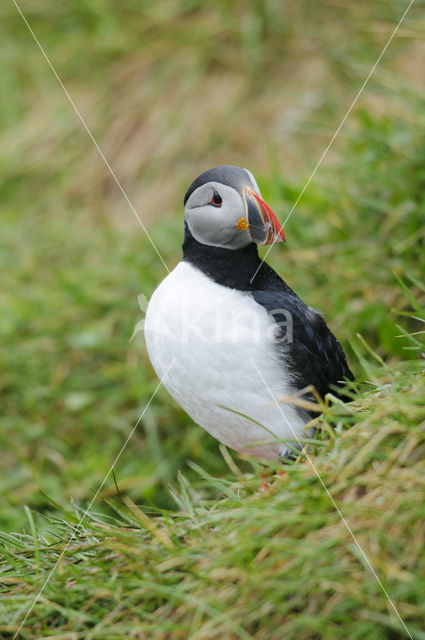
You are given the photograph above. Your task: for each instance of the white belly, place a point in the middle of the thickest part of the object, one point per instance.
(208, 337)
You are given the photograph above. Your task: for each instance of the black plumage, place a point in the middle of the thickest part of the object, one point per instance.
(225, 174)
(314, 356)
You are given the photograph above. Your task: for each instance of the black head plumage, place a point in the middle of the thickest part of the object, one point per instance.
(229, 174)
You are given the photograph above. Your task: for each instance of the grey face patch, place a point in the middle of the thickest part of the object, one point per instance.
(225, 225)
(217, 226)
(200, 197)
(226, 174)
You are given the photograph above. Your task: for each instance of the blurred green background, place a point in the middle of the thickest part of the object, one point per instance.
(169, 89)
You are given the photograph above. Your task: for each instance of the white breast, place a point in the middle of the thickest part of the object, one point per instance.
(211, 335)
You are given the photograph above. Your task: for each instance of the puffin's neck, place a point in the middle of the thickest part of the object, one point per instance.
(230, 268)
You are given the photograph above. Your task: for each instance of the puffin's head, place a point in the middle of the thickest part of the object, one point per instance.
(224, 208)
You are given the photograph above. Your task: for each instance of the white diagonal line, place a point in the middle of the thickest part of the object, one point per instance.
(91, 136)
(369, 564)
(64, 550)
(341, 124)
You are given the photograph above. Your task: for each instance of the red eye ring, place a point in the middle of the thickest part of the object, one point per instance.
(216, 199)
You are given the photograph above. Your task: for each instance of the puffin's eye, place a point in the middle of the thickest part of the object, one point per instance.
(216, 199)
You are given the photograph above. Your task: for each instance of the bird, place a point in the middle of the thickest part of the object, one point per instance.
(229, 339)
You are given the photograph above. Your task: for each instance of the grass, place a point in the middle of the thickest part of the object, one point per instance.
(203, 555)
(230, 562)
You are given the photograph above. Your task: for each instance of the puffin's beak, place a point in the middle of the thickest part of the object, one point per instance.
(264, 227)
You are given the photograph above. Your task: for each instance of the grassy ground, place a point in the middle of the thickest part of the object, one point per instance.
(170, 89)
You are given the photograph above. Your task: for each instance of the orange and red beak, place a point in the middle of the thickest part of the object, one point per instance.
(264, 227)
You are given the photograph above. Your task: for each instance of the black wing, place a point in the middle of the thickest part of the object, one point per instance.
(312, 353)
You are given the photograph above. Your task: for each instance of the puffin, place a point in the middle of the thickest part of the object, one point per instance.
(229, 339)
